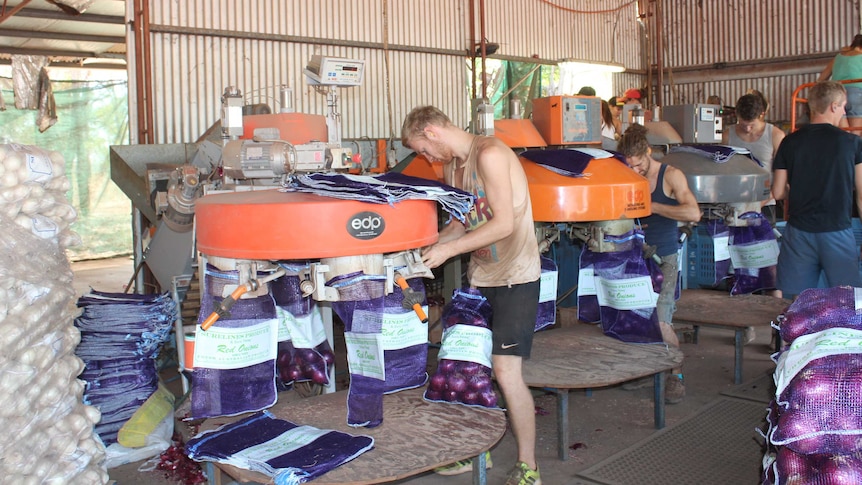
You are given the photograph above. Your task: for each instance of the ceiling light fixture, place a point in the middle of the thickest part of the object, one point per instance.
(582, 65)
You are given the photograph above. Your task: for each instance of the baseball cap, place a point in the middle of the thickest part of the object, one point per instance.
(616, 101)
(632, 94)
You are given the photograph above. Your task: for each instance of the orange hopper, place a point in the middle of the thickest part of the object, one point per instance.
(274, 225)
(609, 191)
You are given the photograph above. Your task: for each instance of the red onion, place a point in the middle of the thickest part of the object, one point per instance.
(457, 383)
(437, 382)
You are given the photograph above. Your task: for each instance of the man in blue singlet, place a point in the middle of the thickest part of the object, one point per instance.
(671, 201)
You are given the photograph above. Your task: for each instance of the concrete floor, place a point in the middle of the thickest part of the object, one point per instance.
(602, 422)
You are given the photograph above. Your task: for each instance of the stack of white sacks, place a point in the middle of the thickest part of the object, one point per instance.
(814, 424)
(47, 430)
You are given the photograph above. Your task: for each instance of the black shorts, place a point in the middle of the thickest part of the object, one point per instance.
(514, 318)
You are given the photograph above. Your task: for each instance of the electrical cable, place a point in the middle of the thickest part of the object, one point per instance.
(571, 10)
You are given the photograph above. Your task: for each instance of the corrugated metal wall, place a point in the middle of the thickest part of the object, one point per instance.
(199, 47)
(713, 47)
(727, 47)
(589, 30)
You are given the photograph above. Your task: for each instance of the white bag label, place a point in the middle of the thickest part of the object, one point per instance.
(857, 297)
(548, 286)
(759, 255)
(306, 332)
(627, 294)
(235, 348)
(586, 282)
(813, 346)
(402, 330)
(720, 248)
(365, 354)
(283, 331)
(282, 444)
(39, 167)
(467, 343)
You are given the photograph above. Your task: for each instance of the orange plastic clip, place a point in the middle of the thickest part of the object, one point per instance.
(401, 282)
(224, 307)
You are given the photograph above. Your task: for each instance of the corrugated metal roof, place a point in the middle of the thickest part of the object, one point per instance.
(39, 27)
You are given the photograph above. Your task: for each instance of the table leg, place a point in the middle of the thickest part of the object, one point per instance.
(480, 473)
(658, 400)
(695, 333)
(562, 423)
(737, 355)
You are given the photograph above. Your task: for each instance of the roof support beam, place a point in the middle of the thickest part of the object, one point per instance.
(36, 34)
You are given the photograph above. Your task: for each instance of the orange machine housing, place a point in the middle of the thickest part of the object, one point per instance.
(275, 225)
(423, 168)
(609, 191)
(296, 128)
(518, 133)
(569, 120)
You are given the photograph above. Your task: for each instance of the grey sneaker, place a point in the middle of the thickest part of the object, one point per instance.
(674, 389)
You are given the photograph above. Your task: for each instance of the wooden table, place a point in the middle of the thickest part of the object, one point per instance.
(416, 436)
(582, 357)
(712, 308)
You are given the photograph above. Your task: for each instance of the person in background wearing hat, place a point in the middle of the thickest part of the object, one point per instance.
(615, 103)
(632, 96)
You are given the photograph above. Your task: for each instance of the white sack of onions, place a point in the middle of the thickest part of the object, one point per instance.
(48, 430)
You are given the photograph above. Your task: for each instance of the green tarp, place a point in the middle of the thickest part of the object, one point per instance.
(91, 116)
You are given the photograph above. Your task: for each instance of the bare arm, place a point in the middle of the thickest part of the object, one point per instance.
(779, 184)
(687, 210)
(451, 231)
(777, 137)
(494, 166)
(827, 71)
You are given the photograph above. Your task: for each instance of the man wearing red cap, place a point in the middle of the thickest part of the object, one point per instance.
(632, 96)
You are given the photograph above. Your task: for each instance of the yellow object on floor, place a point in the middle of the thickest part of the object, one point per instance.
(155, 409)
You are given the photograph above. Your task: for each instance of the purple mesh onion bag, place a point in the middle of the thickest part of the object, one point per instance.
(547, 310)
(215, 281)
(307, 357)
(588, 304)
(817, 309)
(637, 325)
(463, 374)
(368, 315)
(406, 367)
(228, 392)
(716, 229)
(294, 454)
(791, 468)
(819, 408)
(749, 280)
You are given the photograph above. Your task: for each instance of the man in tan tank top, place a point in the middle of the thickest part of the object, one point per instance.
(504, 259)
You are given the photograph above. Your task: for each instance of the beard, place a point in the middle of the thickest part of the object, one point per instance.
(442, 153)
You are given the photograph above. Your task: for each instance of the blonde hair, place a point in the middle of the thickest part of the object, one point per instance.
(824, 93)
(418, 119)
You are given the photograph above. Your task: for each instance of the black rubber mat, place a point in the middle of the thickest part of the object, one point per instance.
(717, 445)
(760, 389)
